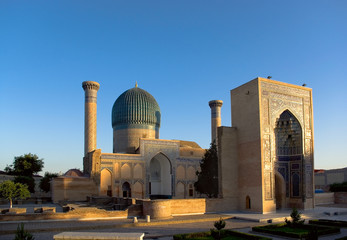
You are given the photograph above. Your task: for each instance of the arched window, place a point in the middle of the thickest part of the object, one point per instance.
(248, 202)
(296, 184)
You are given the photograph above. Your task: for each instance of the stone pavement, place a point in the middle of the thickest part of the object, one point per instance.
(164, 229)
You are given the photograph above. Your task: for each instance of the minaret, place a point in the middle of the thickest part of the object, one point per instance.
(216, 120)
(90, 88)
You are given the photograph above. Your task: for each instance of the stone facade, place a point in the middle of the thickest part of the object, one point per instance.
(269, 149)
(130, 175)
(265, 158)
(141, 165)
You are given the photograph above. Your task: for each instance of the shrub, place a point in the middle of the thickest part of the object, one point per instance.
(219, 225)
(22, 234)
(296, 218)
(333, 223)
(338, 187)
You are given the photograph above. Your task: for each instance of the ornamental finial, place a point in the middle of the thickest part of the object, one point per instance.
(136, 84)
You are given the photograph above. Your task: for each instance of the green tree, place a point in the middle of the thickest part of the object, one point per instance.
(25, 165)
(208, 176)
(11, 191)
(29, 181)
(45, 183)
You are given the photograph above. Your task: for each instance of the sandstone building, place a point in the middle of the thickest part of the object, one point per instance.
(141, 165)
(265, 158)
(267, 154)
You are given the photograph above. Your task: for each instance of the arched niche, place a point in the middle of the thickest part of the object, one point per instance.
(126, 189)
(289, 161)
(138, 171)
(180, 172)
(160, 183)
(180, 190)
(106, 182)
(191, 175)
(288, 134)
(137, 190)
(125, 171)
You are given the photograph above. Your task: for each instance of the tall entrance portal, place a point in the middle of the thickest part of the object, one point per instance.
(160, 183)
(289, 162)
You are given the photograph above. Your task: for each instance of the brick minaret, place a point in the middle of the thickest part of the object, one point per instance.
(90, 88)
(216, 120)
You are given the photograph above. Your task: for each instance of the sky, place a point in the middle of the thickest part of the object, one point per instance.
(185, 53)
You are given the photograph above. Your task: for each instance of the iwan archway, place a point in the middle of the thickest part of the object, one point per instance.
(160, 182)
(289, 162)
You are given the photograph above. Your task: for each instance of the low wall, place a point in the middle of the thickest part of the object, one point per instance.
(340, 197)
(72, 189)
(170, 207)
(173, 207)
(221, 204)
(75, 214)
(324, 198)
(188, 206)
(98, 235)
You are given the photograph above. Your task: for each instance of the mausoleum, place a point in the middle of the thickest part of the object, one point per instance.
(265, 158)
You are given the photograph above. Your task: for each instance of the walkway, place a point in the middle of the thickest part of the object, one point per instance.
(164, 229)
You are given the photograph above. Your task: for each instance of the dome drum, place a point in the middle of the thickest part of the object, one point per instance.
(135, 114)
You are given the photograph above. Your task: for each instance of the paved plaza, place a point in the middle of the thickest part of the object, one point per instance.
(165, 229)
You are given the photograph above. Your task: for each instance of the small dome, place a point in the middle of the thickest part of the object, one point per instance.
(135, 107)
(73, 173)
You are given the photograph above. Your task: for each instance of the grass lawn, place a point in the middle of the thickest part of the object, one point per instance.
(298, 231)
(226, 235)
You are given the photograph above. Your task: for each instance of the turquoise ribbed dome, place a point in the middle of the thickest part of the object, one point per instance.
(135, 108)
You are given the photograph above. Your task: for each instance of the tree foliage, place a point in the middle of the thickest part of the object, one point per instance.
(25, 165)
(208, 176)
(338, 187)
(45, 183)
(296, 218)
(29, 181)
(219, 225)
(11, 191)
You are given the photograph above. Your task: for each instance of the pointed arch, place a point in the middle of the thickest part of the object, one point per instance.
(106, 182)
(125, 171)
(138, 169)
(288, 135)
(180, 172)
(289, 148)
(160, 184)
(161, 155)
(284, 109)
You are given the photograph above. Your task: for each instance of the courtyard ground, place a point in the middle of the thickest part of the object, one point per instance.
(164, 229)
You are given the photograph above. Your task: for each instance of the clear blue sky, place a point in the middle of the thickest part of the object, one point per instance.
(184, 53)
